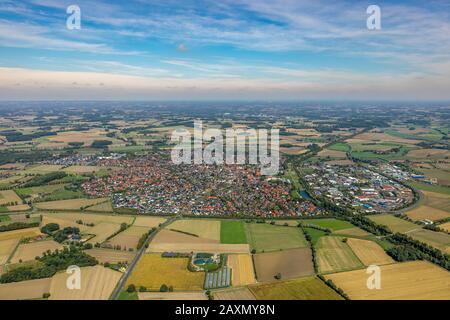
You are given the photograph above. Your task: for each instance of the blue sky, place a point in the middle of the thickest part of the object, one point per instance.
(228, 49)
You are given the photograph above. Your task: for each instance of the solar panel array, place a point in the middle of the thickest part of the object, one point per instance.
(218, 279)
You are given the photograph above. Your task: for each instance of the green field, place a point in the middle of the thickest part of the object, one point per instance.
(232, 232)
(266, 237)
(315, 234)
(332, 224)
(334, 255)
(4, 218)
(393, 223)
(340, 146)
(429, 187)
(309, 288)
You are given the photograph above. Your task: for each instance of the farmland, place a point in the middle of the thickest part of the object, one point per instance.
(242, 293)
(111, 256)
(266, 237)
(28, 251)
(7, 248)
(332, 224)
(232, 232)
(309, 288)
(72, 204)
(32, 289)
(18, 234)
(393, 223)
(153, 271)
(128, 238)
(172, 296)
(335, 255)
(102, 231)
(417, 280)
(97, 283)
(369, 252)
(9, 196)
(242, 269)
(207, 229)
(285, 264)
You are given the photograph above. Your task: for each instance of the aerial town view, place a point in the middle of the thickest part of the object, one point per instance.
(108, 190)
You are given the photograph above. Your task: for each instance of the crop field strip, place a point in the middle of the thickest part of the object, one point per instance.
(242, 269)
(266, 237)
(308, 288)
(242, 293)
(290, 263)
(416, 280)
(72, 204)
(111, 256)
(152, 271)
(172, 296)
(28, 251)
(369, 252)
(208, 229)
(334, 255)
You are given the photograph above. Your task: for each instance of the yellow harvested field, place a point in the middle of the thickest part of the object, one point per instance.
(426, 212)
(173, 237)
(20, 207)
(42, 169)
(242, 293)
(445, 226)
(332, 154)
(335, 255)
(80, 136)
(208, 229)
(199, 247)
(102, 231)
(152, 271)
(241, 269)
(150, 222)
(111, 256)
(369, 252)
(72, 204)
(129, 238)
(92, 218)
(172, 296)
(19, 234)
(426, 153)
(82, 169)
(9, 196)
(415, 280)
(29, 251)
(97, 283)
(382, 137)
(7, 248)
(356, 232)
(31, 289)
(102, 207)
(63, 223)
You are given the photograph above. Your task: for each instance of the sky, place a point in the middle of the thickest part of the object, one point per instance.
(224, 50)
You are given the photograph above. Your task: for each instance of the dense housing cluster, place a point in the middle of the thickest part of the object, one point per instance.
(359, 188)
(153, 184)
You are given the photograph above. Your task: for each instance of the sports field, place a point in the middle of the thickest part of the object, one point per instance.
(291, 263)
(335, 255)
(152, 271)
(309, 288)
(242, 272)
(369, 252)
(264, 237)
(393, 223)
(415, 280)
(232, 232)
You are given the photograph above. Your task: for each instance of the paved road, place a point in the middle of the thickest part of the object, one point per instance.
(125, 276)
